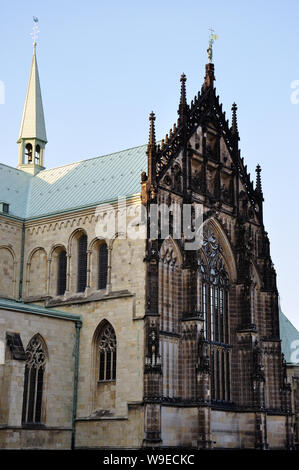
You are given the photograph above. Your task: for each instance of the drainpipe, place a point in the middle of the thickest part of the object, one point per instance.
(75, 393)
(22, 263)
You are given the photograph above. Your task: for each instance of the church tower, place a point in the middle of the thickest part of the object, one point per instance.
(32, 137)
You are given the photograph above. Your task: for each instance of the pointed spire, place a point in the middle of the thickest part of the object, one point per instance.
(151, 147)
(259, 192)
(32, 136)
(183, 107)
(33, 121)
(183, 80)
(258, 186)
(152, 133)
(234, 127)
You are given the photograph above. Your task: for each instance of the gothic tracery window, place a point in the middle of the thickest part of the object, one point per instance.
(214, 307)
(107, 353)
(34, 381)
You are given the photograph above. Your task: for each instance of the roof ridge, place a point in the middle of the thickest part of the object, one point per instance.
(92, 158)
(16, 169)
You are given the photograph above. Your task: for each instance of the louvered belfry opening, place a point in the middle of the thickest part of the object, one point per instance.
(61, 275)
(103, 266)
(82, 263)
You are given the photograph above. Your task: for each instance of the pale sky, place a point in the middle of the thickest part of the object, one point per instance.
(105, 65)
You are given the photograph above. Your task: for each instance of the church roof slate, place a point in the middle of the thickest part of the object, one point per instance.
(73, 186)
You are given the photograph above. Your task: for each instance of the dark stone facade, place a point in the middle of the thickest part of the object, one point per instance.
(212, 326)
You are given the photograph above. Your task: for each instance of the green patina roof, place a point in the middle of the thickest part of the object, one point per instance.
(288, 334)
(37, 310)
(69, 187)
(14, 189)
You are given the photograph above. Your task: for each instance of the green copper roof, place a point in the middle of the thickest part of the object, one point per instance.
(289, 334)
(69, 187)
(14, 189)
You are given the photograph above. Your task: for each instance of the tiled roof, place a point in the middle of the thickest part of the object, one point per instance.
(69, 187)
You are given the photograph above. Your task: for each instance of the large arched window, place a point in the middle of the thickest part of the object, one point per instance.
(34, 381)
(82, 263)
(103, 266)
(214, 307)
(61, 275)
(107, 353)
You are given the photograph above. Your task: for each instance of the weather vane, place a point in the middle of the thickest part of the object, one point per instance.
(35, 30)
(213, 38)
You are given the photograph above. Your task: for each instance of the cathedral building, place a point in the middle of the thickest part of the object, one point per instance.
(117, 341)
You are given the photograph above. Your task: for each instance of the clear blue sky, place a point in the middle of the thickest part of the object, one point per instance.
(105, 65)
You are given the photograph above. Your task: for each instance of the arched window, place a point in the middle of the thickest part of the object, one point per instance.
(82, 263)
(107, 353)
(61, 275)
(28, 153)
(214, 305)
(34, 381)
(103, 266)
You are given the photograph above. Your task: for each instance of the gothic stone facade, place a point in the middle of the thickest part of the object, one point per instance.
(178, 346)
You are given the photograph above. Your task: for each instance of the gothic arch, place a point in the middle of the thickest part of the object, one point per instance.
(104, 366)
(40, 338)
(170, 251)
(226, 248)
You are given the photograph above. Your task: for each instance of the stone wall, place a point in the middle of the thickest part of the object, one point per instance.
(59, 338)
(10, 257)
